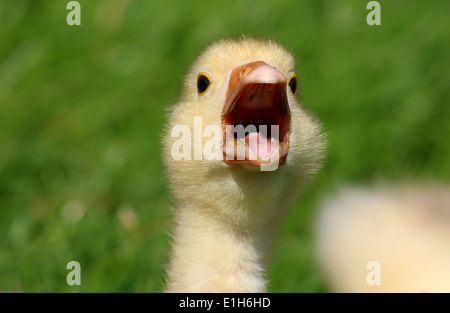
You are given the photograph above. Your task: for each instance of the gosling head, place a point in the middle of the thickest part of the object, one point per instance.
(239, 103)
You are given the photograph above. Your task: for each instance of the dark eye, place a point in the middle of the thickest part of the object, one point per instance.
(203, 83)
(293, 83)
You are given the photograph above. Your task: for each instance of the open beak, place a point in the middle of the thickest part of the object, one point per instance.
(256, 116)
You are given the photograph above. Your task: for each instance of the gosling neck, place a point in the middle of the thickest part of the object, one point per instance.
(212, 254)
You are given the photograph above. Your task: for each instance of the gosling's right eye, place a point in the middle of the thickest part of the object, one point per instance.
(293, 83)
(203, 83)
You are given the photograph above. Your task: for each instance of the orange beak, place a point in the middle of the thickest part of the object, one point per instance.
(256, 101)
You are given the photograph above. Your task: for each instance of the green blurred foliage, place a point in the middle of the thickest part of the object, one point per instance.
(82, 108)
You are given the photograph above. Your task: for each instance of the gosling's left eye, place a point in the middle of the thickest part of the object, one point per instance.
(203, 83)
(293, 83)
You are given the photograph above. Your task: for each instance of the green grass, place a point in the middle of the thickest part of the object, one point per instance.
(82, 108)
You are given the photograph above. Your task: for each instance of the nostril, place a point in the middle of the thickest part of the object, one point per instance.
(245, 71)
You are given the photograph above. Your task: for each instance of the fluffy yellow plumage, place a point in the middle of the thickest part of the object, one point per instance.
(226, 214)
(400, 234)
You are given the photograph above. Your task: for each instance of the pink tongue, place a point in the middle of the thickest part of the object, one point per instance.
(259, 144)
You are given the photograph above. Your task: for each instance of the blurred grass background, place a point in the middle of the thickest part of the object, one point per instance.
(82, 108)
